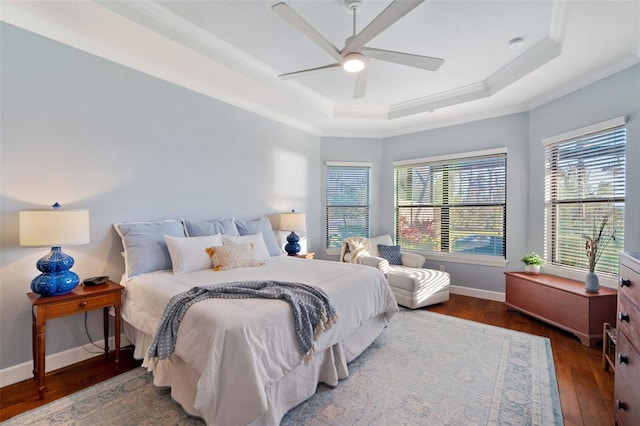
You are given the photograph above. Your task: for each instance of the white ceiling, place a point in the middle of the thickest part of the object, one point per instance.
(234, 50)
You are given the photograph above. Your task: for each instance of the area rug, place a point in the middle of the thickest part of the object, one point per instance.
(425, 368)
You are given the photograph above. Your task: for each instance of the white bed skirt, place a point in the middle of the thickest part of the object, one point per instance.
(294, 388)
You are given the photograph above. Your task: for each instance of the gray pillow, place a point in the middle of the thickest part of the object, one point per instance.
(145, 249)
(211, 227)
(261, 225)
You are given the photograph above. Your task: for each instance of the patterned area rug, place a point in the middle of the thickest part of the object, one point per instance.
(425, 368)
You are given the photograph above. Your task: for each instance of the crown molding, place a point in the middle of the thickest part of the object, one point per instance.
(153, 40)
(585, 80)
(88, 26)
(453, 121)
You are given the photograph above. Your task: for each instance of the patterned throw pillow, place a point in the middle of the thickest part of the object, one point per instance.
(391, 253)
(230, 257)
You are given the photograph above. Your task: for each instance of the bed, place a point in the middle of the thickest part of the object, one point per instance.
(236, 361)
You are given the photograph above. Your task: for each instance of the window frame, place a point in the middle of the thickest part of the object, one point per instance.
(458, 257)
(345, 164)
(575, 272)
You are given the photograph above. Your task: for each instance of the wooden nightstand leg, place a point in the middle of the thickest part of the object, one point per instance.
(117, 333)
(34, 345)
(40, 333)
(105, 329)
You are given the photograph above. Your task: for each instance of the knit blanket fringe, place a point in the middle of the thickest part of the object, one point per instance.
(313, 314)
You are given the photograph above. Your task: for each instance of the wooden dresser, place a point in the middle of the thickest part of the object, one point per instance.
(627, 378)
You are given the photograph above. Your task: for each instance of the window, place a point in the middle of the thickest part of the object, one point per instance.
(348, 189)
(584, 189)
(452, 204)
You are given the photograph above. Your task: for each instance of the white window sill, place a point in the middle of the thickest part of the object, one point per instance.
(333, 251)
(469, 259)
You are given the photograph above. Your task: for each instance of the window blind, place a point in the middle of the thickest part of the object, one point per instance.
(452, 205)
(348, 202)
(584, 192)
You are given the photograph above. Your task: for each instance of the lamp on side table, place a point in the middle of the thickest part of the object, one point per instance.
(54, 228)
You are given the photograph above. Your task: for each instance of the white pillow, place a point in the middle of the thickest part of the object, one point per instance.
(259, 246)
(190, 254)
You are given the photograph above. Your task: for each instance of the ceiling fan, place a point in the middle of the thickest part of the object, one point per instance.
(353, 56)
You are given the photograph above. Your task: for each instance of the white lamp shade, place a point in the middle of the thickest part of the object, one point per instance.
(54, 227)
(292, 222)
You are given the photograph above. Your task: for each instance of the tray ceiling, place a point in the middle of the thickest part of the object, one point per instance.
(235, 50)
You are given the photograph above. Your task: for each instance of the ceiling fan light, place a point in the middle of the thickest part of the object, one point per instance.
(353, 62)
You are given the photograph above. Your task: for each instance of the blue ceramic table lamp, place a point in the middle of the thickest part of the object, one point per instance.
(292, 222)
(55, 228)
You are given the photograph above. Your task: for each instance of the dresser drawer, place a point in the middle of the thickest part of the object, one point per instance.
(86, 304)
(626, 404)
(629, 321)
(628, 364)
(629, 283)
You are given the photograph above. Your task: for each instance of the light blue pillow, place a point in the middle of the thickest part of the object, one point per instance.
(391, 253)
(211, 227)
(145, 249)
(261, 225)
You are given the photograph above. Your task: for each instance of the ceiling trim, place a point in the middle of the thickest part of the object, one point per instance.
(484, 115)
(173, 26)
(88, 26)
(534, 58)
(585, 80)
(207, 60)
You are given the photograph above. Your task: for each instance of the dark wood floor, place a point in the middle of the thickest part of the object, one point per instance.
(586, 390)
(23, 396)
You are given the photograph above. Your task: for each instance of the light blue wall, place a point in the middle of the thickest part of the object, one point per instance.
(509, 131)
(93, 134)
(611, 97)
(358, 150)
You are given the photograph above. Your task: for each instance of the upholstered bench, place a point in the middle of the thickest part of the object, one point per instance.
(413, 285)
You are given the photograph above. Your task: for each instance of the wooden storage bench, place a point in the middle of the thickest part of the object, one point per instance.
(563, 303)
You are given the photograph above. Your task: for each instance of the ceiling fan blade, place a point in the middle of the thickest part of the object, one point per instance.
(425, 62)
(310, 71)
(296, 21)
(361, 85)
(384, 20)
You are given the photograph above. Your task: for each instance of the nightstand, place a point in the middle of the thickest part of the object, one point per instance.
(305, 255)
(81, 299)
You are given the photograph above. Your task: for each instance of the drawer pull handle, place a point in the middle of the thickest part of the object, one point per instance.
(623, 317)
(83, 304)
(621, 405)
(625, 282)
(623, 359)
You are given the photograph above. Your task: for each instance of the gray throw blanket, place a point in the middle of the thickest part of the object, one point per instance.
(312, 311)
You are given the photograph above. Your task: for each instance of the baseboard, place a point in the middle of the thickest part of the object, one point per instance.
(474, 292)
(24, 371)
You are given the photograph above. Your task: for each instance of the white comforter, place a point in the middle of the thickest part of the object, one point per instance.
(241, 347)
